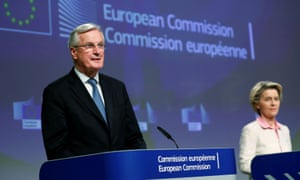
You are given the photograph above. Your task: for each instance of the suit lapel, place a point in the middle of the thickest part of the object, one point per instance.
(82, 95)
(107, 91)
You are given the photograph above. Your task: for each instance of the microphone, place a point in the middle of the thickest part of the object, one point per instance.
(167, 135)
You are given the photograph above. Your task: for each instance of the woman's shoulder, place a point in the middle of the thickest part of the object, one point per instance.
(251, 125)
(283, 126)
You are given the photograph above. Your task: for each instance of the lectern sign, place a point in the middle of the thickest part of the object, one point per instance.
(145, 164)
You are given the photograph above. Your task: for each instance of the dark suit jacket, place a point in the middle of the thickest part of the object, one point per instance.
(72, 125)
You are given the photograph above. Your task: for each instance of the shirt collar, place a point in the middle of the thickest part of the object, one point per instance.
(265, 125)
(84, 78)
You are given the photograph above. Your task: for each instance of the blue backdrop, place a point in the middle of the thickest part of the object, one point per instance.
(188, 67)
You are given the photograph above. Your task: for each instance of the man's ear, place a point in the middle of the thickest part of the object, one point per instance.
(73, 52)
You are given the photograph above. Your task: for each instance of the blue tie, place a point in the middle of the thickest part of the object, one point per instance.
(97, 98)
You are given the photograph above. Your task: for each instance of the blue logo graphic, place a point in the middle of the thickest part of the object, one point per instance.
(28, 113)
(81, 12)
(145, 115)
(34, 17)
(194, 117)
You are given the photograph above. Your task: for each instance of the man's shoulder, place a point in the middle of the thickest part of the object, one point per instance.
(63, 81)
(112, 80)
(59, 81)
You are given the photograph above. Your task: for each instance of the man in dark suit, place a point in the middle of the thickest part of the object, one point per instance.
(72, 125)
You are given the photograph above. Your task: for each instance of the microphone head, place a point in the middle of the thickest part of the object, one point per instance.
(164, 132)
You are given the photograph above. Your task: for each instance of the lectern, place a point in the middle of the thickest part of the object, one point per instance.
(211, 164)
(276, 166)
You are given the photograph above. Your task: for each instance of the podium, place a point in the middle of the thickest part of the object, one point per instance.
(276, 166)
(211, 164)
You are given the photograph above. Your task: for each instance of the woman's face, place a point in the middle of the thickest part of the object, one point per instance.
(269, 104)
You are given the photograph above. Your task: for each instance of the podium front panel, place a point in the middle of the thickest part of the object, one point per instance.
(145, 164)
(276, 166)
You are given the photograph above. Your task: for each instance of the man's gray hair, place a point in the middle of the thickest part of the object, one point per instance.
(74, 40)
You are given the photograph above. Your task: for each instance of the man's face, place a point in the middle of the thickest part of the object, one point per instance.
(88, 55)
